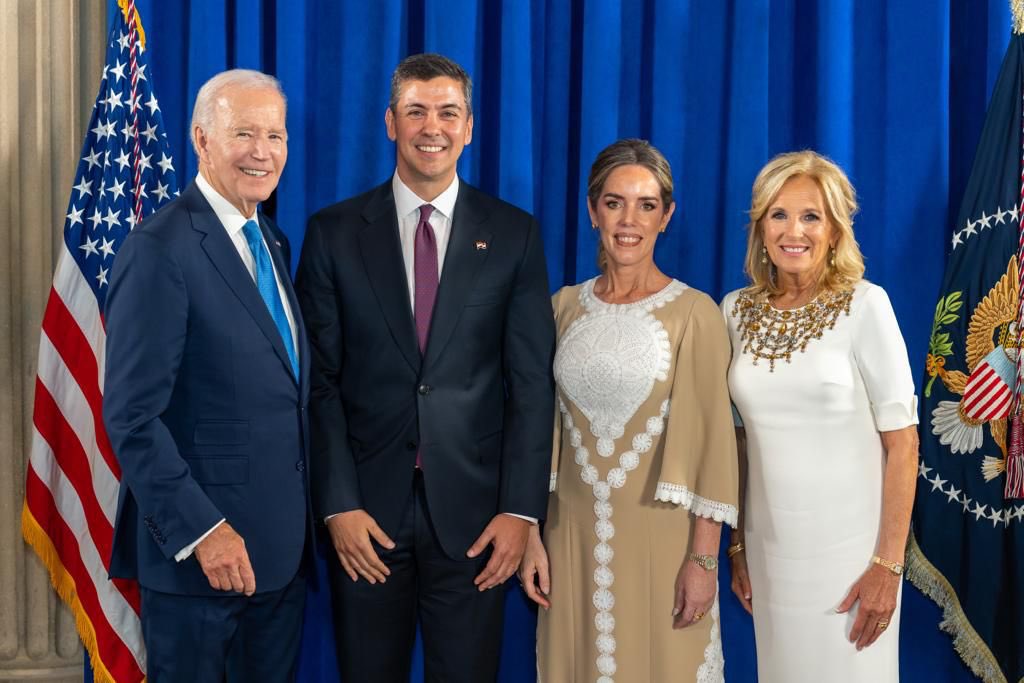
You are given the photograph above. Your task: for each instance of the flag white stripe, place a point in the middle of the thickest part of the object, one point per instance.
(74, 291)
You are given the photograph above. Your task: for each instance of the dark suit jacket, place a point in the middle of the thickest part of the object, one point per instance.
(200, 403)
(478, 405)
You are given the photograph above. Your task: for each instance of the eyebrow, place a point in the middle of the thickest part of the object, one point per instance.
(619, 196)
(446, 105)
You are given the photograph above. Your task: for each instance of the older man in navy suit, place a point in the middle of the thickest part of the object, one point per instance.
(205, 405)
(432, 397)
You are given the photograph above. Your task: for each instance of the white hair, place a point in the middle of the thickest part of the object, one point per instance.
(206, 99)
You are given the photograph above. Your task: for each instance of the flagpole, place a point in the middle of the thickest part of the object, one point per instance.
(1015, 452)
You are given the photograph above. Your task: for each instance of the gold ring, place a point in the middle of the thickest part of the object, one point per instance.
(883, 624)
(698, 616)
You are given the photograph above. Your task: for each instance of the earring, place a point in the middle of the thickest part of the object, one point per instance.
(593, 226)
(832, 257)
(764, 255)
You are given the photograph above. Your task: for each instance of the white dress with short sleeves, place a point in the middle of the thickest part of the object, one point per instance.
(814, 487)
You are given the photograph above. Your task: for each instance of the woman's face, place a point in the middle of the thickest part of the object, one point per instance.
(629, 214)
(797, 232)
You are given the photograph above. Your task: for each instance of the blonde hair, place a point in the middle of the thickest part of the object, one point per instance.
(846, 268)
(627, 152)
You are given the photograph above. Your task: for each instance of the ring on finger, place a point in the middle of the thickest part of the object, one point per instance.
(698, 616)
(883, 624)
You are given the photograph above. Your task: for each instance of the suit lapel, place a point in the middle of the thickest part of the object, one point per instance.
(385, 267)
(284, 272)
(224, 257)
(462, 262)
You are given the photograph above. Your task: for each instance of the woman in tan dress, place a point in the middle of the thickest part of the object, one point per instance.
(644, 466)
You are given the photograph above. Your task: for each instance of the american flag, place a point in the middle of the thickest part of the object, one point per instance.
(125, 173)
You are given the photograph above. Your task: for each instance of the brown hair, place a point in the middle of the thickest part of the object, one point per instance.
(627, 152)
(426, 67)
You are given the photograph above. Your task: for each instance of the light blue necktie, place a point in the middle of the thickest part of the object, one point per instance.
(267, 285)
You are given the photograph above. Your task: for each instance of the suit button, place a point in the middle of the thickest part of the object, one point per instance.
(411, 446)
(424, 389)
(300, 466)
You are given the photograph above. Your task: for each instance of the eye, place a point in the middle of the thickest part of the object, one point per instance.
(778, 215)
(811, 217)
(243, 134)
(612, 203)
(414, 114)
(450, 115)
(648, 206)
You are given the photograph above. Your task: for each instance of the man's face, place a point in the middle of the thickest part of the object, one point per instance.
(244, 152)
(429, 126)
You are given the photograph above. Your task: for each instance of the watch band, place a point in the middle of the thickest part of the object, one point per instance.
(894, 567)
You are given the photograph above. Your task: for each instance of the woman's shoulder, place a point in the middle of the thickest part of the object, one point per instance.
(568, 294)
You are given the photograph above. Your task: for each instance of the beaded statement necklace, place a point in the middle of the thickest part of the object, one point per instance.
(771, 334)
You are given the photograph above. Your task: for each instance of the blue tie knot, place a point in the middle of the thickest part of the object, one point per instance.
(253, 237)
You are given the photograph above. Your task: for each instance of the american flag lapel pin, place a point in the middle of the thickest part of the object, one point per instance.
(481, 245)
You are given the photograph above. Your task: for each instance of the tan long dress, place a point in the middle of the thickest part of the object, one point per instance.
(644, 441)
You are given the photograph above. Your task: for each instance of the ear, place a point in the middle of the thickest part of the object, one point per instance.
(668, 215)
(469, 130)
(592, 211)
(201, 141)
(389, 123)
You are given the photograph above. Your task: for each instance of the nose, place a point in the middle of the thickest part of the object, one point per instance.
(628, 216)
(431, 124)
(260, 147)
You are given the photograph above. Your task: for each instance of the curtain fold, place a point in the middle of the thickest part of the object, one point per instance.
(894, 92)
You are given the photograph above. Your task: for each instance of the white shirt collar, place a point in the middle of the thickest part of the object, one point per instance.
(230, 217)
(407, 201)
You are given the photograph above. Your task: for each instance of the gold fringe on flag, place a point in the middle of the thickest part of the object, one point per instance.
(966, 641)
(123, 4)
(65, 586)
(1017, 10)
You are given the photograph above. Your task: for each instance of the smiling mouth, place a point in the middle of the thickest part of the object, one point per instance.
(430, 148)
(628, 240)
(255, 172)
(795, 250)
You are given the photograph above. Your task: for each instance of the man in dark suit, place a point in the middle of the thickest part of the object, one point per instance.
(205, 404)
(432, 398)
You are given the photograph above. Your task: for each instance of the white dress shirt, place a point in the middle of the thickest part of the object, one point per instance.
(233, 221)
(407, 206)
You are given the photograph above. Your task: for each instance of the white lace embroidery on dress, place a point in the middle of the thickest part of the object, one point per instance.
(610, 357)
(698, 505)
(604, 530)
(553, 483)
(713, 668)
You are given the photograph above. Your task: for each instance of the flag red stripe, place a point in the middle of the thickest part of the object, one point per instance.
(74, 462)
(78, 356)
(1000, 409)
(981, 390)
(112, 650)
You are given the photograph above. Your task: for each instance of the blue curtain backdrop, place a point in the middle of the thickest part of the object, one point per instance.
(893, 91)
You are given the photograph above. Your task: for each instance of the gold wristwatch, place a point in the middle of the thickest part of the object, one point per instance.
(894, 567)
(705, 562)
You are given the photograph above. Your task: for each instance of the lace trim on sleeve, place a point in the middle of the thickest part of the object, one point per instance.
(698, 505)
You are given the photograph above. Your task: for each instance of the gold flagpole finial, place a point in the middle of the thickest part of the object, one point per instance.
(123, 4)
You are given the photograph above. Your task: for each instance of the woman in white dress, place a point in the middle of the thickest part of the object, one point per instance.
(822, 385)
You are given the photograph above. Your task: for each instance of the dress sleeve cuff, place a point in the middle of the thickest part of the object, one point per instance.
(698, 505)
(897, 415)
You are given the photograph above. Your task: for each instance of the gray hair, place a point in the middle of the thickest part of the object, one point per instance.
(206, 98)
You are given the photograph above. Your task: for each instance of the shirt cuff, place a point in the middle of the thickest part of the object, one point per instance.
(187, 551)
(531, 520)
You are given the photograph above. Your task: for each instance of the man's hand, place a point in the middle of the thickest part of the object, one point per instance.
(350, 535)
(225, 561)
(508, 535)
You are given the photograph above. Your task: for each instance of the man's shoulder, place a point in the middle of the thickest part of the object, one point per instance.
(167, 222)
(354, 207)
(497, 212)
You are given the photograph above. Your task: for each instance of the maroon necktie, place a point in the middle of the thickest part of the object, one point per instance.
(425, 271)
(425, 267)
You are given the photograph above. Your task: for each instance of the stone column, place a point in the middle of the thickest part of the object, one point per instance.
(51, 58)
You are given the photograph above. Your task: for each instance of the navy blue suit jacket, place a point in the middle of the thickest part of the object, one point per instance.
(478, 405)
(201, 405)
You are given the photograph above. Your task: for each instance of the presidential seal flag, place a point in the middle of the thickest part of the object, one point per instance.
(966, 549)
(71, 488)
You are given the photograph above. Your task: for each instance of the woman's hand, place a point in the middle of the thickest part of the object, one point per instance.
(695, 594)
(877, 590)
(535, 566)
(741, 580)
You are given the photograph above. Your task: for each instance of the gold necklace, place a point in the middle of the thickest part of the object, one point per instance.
(772, 334)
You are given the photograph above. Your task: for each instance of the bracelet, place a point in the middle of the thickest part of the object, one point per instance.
(894, 567)
(735, 549)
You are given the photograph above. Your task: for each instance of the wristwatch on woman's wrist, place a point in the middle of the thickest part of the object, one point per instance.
(705, 562)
